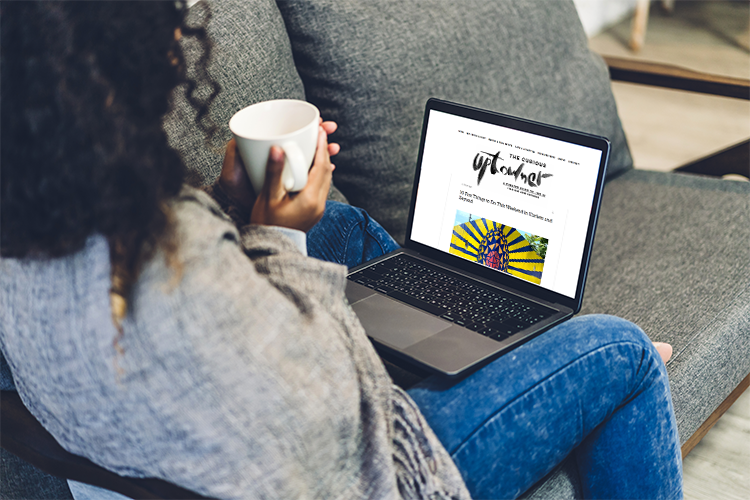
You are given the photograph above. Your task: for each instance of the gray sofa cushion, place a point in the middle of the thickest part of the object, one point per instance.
(252, 62)
(671, 254)
(371, 66)
(562, 482)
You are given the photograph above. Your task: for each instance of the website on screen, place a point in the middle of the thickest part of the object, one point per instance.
(509, 200)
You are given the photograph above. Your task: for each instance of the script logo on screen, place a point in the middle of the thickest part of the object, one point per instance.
(483, 160)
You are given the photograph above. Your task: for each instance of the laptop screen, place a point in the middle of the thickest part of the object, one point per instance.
(506, 199)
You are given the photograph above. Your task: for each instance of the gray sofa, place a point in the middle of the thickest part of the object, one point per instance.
(671, 252)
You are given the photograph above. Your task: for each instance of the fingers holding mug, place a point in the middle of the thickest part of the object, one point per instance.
(234, 180)
(288, 123)
(321, 173)
(302, 210)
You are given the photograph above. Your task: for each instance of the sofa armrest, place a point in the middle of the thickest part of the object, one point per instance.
(675, 77)
(732, 160)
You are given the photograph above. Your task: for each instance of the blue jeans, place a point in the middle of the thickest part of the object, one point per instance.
(593, 387)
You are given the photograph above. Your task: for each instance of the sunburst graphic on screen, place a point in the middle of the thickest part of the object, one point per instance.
(493, 250)
(497, 246)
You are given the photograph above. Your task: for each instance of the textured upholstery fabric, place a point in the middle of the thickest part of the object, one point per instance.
(371, 66)
(252, 61)
(671, 254)
(562, 482)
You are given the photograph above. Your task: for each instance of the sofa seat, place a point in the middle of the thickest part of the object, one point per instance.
(671, 254)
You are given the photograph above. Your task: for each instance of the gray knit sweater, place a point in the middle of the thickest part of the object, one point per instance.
(250, 377)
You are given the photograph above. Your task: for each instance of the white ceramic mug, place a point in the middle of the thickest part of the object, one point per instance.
(290, 124)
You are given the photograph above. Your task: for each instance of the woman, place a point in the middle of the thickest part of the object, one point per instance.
(156, 336)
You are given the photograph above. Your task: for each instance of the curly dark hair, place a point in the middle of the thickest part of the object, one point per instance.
(84, 87)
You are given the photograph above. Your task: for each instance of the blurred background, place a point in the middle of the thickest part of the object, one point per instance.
(665, 128)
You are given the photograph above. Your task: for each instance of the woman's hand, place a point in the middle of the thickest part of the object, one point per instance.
(236, 184)
(234, 180)
(275, 206)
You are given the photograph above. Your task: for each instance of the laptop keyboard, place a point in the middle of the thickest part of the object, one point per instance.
(440, 292)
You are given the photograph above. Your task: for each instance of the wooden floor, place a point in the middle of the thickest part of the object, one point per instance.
(666, 129)
(719, 466)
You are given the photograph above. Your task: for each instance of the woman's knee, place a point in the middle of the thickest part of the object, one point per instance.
(329, 238)
(339, 210)
(348, 235)
(627, 338)
(597, 331)
(608, 328)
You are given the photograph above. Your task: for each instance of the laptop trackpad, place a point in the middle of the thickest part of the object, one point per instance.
(396, 324)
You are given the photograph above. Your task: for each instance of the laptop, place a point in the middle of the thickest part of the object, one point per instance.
(499, 236)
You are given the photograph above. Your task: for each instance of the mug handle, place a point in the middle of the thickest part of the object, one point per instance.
(294, 175)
